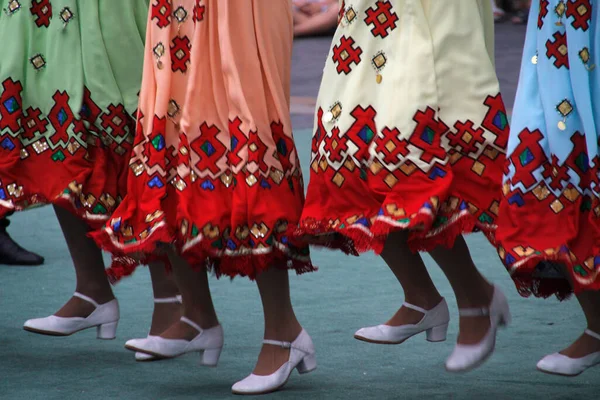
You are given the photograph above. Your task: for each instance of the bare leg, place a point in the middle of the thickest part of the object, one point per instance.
(89, 267)
(409, 269)
(585, 344)
(470, 287)
(163, 286)
(197, 301)
(280, 320)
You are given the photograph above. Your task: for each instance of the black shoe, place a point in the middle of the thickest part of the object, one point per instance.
(13, 254)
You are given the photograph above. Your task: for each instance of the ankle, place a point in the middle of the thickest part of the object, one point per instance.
(164, 316)
(282, 330)
(164, 290)
(204, 320)
(426, 302)
(474, 297)
(100, 295)
(594, 327)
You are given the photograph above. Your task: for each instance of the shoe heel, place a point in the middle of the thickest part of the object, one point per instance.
(437, 333)
(107, 331)
(210, 357)
(308, 364)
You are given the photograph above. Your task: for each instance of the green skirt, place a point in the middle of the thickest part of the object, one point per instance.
(70, 74)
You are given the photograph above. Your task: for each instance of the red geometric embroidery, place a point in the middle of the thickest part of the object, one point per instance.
(527, 157)
(154, 147)
(558, 50)
(238, 142)
(496, 120)
(466, 137)
(199, 11)
(183, 156)
(42, 10)
(342, 12)
(180, 53)
(89, 110)
(33, 124)
(578, 160)
(257, 152)
(209, 148)
(115, 121)
(428, 134)
(362, 131)
(555, 173)
(543, 12)
(319, 134)
(335, 145)
(161, 11)
(581, 11)
(392, 147)
(594, 179)
(10, 105)
(344, 54)
(284, 144)
(382, 18)
(61, 118)
(170, 157)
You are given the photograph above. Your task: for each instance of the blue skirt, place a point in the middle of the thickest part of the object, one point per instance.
(550, 211)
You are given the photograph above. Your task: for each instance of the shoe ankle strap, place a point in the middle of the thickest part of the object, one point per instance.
(413, 307)
(592, 334)
(285, 345)
(474, 312)
(86, 298)
(191, 323)
(165, 300)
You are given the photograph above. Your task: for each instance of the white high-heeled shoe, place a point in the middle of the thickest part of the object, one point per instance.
(559, 364)
(434, 323)
(208, 343)
(466, 357)
(139, 356)
(302, 358)
(105, 317)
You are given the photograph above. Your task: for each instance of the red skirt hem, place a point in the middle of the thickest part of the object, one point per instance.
(64, 201)
(200, 256)
(360, 239)
(527, 283)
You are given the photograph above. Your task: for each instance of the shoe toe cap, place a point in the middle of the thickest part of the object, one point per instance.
(244, 386)
(137, 343)
(371, 332)
(36, 323)
(143, 356)
(455, 364)
(554, 363)
(463, 359)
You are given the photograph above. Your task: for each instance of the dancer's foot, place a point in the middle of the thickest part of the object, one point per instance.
(272, 356)
(180, 339)
(165, 315)
(473, 328)
(472, 354)
(78, 307)
(584, 353)
(410, 316)
(104, 316)
(301, 356)
(583, 346)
